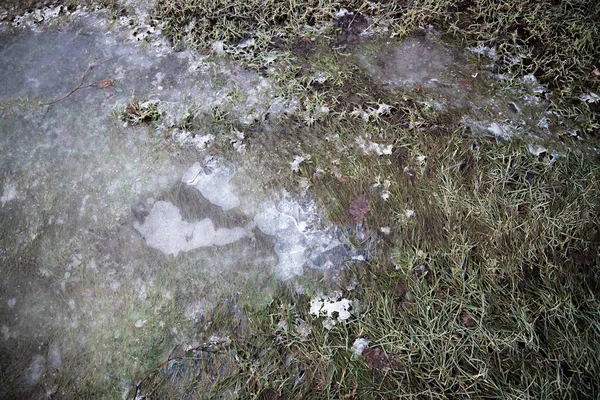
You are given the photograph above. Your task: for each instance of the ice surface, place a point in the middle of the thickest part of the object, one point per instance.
(299, 240)
(213, 181)
(333, 309)
(359, 346)
(165, 230)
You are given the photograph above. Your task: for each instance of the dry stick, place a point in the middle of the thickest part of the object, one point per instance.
(204, 347)
(91, 66)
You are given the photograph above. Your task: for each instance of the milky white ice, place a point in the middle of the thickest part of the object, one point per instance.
(212, 181)
(329, 307)
(165, 230)
(358, 347)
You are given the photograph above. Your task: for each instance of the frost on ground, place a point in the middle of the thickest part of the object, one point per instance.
(443, 78)
(81, 279)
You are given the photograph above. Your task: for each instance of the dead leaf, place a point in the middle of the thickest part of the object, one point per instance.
(582, 259)
(596, 73)
(400, 290)
(106, 83)
(342, 179)
(467, 320)
(131, 110)
(359, 208)
(377, 359)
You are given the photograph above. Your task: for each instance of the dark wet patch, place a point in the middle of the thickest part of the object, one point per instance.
(351, 28)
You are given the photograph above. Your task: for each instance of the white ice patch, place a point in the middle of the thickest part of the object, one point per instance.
(590, 97)
(297, 161)
(212, 180)
(165, 230)
(371, 147)
(358, 347)
(333, 310)
(536, 150)
(298, 240)
(501, 131)
(9, 193)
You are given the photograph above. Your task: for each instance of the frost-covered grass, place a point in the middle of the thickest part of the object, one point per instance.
(489, 289)
(554, 40)
(483, 276)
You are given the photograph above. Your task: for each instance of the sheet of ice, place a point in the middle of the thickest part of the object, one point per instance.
(165, 230)
(299, 241)
(9, 193)
(213, 181)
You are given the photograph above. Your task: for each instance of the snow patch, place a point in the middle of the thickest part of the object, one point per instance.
(358, 347)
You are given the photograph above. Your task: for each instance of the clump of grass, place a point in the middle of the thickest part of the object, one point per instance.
(553, 40)
(231, 22)
(138, 112)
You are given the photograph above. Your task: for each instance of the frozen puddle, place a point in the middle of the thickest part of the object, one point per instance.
(444, 78)
(115, 243)
(166, 231)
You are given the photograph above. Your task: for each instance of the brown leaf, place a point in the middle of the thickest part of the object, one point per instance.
(359, 208)
(582, 259)
(131, 110)
(106, 83)
(596, 73)
(400, 290)
(377, 359)
(467, 320)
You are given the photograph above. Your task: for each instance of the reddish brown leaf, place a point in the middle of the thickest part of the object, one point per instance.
(467, 320)
(131, 110)
(377, 359)
(582, 259)
(106, 83)
(359, 208)
(400, 290)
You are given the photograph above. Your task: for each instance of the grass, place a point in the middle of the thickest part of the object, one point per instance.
(490, 290)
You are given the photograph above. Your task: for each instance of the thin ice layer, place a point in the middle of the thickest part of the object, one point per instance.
(213, 181)
(165, 230)
(299, 242)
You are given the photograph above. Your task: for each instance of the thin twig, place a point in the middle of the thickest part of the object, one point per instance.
(206, 347)
(96, 83)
